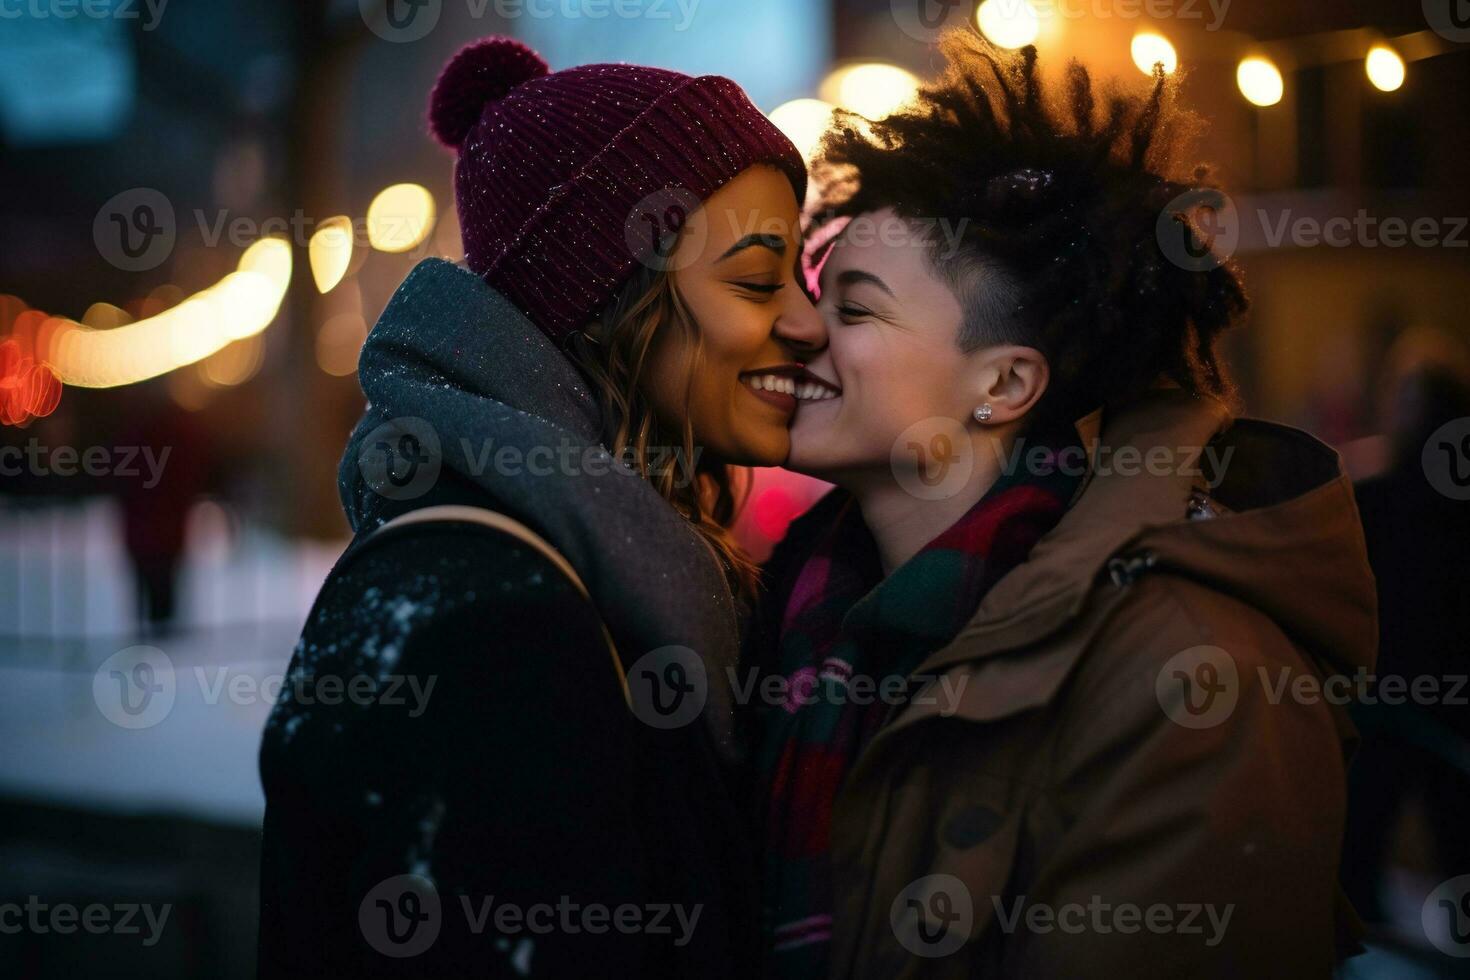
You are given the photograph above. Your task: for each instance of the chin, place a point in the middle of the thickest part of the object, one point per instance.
(806, 458)
(764, 448)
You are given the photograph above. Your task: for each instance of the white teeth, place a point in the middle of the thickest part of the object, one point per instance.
(807, 390)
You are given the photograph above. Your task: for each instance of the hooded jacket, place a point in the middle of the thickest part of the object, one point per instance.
(452, 725)
(1131, 760)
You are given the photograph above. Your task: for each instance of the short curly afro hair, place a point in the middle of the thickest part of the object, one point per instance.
(1063, 199)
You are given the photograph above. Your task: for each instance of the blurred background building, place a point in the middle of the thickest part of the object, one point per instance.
(206, 205)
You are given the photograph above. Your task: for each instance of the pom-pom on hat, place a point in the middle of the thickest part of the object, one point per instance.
(554, 166)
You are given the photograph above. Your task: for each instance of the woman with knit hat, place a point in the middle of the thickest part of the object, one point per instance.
(503, 742)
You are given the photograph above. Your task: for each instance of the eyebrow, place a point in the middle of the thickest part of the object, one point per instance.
(850, 277)
(775, 243)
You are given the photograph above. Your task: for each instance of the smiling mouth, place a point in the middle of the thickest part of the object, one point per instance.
(792, 380)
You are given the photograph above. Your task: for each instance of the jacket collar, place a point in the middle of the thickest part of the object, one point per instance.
(1115, 506)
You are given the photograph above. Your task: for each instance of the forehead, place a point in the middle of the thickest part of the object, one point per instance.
(760, 201)
(895, 249)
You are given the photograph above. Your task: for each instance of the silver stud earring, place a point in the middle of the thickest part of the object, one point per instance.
(983, 413)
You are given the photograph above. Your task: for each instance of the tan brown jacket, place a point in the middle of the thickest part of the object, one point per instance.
(1129, 775)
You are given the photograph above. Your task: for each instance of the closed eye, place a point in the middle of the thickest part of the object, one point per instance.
(768, 289)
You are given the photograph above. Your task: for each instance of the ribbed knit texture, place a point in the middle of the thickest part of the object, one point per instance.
(553, 173)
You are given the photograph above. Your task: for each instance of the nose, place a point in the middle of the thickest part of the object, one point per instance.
(800, 327)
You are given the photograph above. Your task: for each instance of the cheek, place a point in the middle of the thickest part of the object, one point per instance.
(892, 380)
(732, 336)
(887, 388)
(670, 362)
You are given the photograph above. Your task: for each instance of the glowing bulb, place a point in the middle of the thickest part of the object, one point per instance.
(1385, 68)
(400, 217)
(805, 122)
(873, 90)
(1260, 81)
(330, 252)
(1009, 23)
(1150, 49)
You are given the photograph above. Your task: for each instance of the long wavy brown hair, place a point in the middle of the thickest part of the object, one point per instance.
(614, 353)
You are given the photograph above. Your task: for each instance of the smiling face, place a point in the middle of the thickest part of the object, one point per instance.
(894, 350)
(735, 269)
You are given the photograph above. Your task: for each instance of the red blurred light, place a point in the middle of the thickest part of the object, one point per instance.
(773, 512)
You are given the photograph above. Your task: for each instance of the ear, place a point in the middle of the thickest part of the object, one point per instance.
(1012, 379)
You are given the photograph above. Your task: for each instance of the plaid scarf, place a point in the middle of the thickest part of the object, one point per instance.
(848, 635)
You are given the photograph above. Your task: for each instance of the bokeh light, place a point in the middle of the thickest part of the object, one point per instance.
(330, 252)
(28, 389)
(1385, 68)
(1260, 81)
(872, 89)
(400, 217)
(1009, 23)
(805, 122)
(235, 364)
(240, 305)
(339, 343)
(1150, 49)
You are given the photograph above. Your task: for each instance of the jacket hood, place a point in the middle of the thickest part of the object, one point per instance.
(1282, 533)
(458, 371)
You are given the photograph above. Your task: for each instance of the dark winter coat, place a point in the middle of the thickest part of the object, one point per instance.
(520, 784)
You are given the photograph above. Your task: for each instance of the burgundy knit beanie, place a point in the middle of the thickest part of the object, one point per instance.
(556, 169)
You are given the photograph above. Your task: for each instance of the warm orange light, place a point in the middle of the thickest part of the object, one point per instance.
(400, 217)
(240, 305)
(1009, 23)
(873, 90)
(1149, 49)
(1385, 68)
(1260, 81)
(805, 122)
(330, 252)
